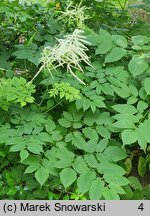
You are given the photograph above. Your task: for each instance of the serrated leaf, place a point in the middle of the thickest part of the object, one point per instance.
(78, 140)
(110, 194)
(31, 168)
(128, 136)
(103, 131)
(96, 189)
(68, 116)
(142, 166)
(133, 89)
(120, 40)
(137, 65)
(90, 133)
(143, 135)
(115, 54)
(124, 123)
(103, 143)
(141, 106)
(24, 154)
(139, 40)
(99, 103)
(123, 91)
(110, 169)
(132, 100)
(93, 107)
(67, 177)
(42, 175)
(64, 123)
(62, 163)
(35, 148)
(125, 108)
(86, 103)
(117, 188)
(84, 181)
(80, 165)
(115, 153)
(116, 179)
(91, 160)
(135, 183)
(147, 85)
(105, 42)
(90, 146)
(50, 125)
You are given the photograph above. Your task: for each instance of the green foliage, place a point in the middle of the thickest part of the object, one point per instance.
(64, 90)
(15, 90)
(68, 140)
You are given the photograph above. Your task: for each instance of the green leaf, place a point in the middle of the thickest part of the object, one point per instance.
(93, 107)
(67, 177)
(110, 194)
(90, 146)
(31, 168)
(141, 106)
(91, 160)
(120, 40)
(35, 148)
(105, 42)
(128, 164)
(103, 143)
(50, 125)
(49, 165)
(64, 123)
(23, 154)
(135, 183)
(90, 133)
(140, 40)
(133, 89)
(86, 103)
(11, 96)
(132, 100)
(78, 140)
(64, 153)
(103, 131)
(110, 169)
(77, 125)
(137, 65)
(96, 189)
(124, 123)
(117, 188)
(62, 163)
(68, 116)
(124, 108)
(84, 181)
(23, 53)
(143, 135)
(80, 165)
(123, 91)
(116, 179)
(128, 136)
(42, 175)
(147, 85)
(115, 153)
(142, 166)
(115, 54)
(99, 103)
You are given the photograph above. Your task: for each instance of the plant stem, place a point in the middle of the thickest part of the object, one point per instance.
(53, 106)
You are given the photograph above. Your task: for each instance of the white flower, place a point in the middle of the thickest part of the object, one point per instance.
(75, 14)
(70, 52)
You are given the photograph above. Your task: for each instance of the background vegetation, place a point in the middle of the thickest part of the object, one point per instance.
(74, 99)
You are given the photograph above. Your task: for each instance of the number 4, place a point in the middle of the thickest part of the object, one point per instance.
(141, 207)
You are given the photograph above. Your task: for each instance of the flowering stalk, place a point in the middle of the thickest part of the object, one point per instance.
(70, 52)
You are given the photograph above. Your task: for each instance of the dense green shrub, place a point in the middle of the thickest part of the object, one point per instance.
(79, 135)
